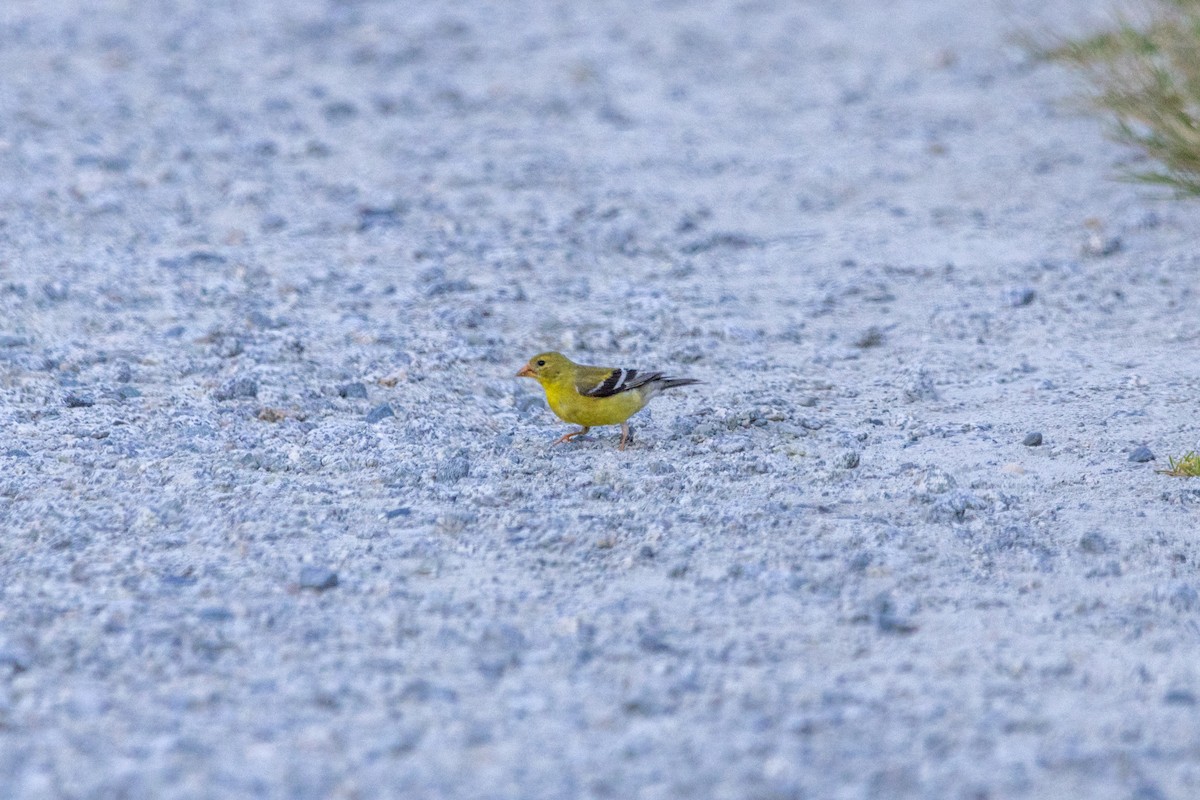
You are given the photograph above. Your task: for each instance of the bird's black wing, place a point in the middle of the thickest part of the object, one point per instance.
(617, 381)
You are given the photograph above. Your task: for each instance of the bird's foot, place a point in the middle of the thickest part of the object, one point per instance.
(566, 437)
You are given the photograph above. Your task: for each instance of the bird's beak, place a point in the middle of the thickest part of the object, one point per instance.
(525, 372)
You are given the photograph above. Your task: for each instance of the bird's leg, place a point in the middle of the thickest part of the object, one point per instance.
(566, 437)
(625, 431)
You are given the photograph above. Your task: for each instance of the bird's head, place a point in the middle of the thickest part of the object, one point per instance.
(545, 367)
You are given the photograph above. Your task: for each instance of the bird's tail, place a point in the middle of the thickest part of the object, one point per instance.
(660, 382)
(671, 383)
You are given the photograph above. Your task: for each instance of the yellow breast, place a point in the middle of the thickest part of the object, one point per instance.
(573, 407)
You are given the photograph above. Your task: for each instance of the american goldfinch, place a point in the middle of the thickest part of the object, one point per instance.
(591, 396)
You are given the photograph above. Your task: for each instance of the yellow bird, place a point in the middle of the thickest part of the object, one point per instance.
(591, 396)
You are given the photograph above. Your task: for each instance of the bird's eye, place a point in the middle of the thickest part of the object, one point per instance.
(541, 362)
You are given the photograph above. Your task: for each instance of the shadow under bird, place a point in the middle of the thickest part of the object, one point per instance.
(591, 396)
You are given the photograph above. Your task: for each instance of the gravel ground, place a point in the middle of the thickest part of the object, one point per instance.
(278, 520)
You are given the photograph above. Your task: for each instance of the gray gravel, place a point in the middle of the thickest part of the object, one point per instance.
(278, 521)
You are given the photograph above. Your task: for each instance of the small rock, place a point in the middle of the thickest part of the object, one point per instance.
(215, 614)
(237, 388)
(1094, 542)
(229, 346)
(453, 469)
(128, 392)
(421, 690)
(1111, 569)
(1021, 296)
(380, 413)
(78, 401)
(500, 648)
(478, 734)
(871, 337)
(448, 287)
(1033, 439)
(390, 216)
(399, 512)
(882, 611)
(646, 701)
(193, 259)
(178, 580)
(653, 640)
(847, 459)
(1141, 455)
(1148, 791)
(954, 507)
(340, 111)
(352, 391)
(457, 521)
(15, 658)
(403, 740)
(8, 340)
(920, 387)
(258, 319)
(319, 579)
(271, 223)
(1099, 246)
(1184, 598)
(684, 426)
(56, 291)
(936, 480)
(691, 220)
(859, 562)
(731, 241)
